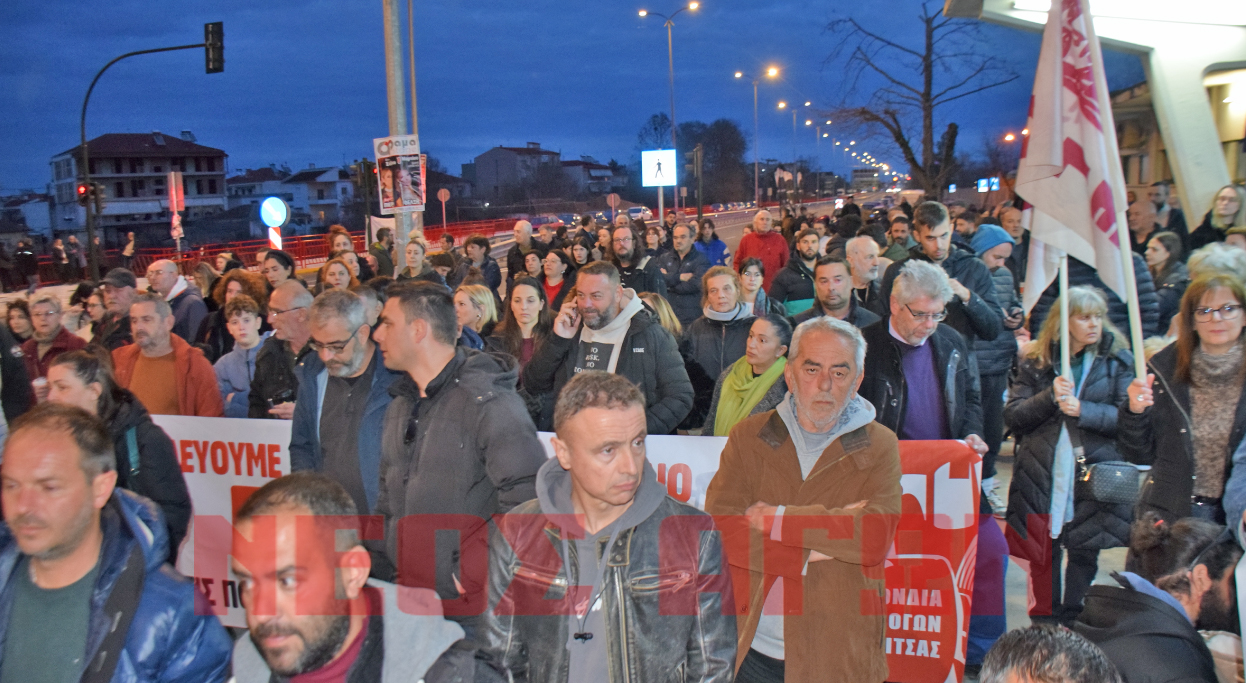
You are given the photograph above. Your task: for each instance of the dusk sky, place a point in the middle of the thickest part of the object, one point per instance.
(304, 80)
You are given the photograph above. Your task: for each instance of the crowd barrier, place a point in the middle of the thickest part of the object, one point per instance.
(928, 573)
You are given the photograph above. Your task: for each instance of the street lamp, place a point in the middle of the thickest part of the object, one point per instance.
(670, 58)
(771, 72)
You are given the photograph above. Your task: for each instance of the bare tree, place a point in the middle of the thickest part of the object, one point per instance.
(950, 64)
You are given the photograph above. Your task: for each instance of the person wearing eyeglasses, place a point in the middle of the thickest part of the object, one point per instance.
(922, 378)
(48, 339)
(275, 385)
(1187, 418)
(342, 396)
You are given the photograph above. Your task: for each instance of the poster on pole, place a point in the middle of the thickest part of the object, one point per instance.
(400, 173)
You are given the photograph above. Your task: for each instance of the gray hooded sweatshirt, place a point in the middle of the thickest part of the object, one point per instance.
(588, 653)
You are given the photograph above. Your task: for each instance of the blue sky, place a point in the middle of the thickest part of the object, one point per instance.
(304, 80)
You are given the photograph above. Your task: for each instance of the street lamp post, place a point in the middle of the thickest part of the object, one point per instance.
(771, 72)
(670, 59)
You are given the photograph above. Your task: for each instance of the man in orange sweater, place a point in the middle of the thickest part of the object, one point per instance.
(169, 376)
(765, 244)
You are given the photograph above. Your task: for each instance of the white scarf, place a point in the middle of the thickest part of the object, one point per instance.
(178, 288)
(614, 331)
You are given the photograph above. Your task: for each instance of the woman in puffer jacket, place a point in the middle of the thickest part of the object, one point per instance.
(717, 339)
(1051, 416)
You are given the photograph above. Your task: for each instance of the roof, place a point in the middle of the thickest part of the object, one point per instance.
(312, 175)
(144, 144)
(438, 178)
(527, 150)
(257, 175)
(587, 164)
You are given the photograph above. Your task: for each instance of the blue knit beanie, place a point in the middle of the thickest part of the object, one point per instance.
(988, 237)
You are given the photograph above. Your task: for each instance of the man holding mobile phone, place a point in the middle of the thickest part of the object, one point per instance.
(275, 384)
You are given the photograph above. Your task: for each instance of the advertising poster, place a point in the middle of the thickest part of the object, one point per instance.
(401, 174)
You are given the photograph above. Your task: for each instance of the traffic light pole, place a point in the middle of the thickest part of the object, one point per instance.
(86, 155)
(213, 38)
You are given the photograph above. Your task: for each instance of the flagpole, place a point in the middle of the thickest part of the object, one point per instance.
(1131, 298)
(1065, 370)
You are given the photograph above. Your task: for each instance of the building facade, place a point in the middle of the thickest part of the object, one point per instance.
(502, 168)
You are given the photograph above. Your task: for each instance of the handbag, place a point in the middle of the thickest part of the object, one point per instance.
(1114, 482)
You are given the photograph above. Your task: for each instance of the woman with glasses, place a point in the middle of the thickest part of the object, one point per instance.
(1187, 418)
(93, 312)
(1049, 413)
(752, 294)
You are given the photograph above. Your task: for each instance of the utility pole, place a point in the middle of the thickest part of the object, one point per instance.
(395, 90)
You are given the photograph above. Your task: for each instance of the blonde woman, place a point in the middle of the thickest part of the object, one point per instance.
(1228, 210)
(477, 313)
(1051, 415)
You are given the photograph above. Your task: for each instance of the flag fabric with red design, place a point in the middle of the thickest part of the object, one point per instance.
(1070, 167)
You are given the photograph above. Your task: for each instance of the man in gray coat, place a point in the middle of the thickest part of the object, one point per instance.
(457, 447)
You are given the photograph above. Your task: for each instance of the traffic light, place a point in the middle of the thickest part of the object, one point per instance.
(694, 167)
(84, 194)
(97, 194)
(214, 47)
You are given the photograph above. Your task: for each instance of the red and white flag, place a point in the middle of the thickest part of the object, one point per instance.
(1070, 167)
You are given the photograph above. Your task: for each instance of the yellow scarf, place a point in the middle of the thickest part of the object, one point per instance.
(742, 391)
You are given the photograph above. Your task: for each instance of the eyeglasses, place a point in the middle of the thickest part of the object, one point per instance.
(45, 314)
(274, 312)
(936, 317)
(1227, 312)
(332, 347)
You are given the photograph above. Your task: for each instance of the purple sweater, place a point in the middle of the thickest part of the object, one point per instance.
(925, 417)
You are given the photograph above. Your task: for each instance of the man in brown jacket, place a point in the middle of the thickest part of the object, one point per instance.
(169, 376)
(813, 487)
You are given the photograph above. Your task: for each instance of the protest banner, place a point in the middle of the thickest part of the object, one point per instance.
(929, 571)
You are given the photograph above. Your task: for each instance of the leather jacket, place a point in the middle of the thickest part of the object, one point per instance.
(664, 622)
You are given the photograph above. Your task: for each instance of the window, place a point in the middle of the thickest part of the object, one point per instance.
(197, 162)
(211, 164)
(320, 193)
(119, 190)
(136, 188)
(157, 169)
(116, 167)
(198, 186)
(136, 165)
(211, 185)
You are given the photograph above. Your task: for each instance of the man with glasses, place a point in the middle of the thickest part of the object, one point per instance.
(637, 270)
(275, 385)
(923, 380)
(342, 396)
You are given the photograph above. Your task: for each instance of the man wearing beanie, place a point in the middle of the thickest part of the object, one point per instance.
(993, 245)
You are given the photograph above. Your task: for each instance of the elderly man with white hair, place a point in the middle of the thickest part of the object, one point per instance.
(764, 244)
(524, 244)
(185, 299)
(922, 377)
(867, 267)
(818, 461)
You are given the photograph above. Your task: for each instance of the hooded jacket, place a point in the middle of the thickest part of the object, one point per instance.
(858, 315)
(1034, 418)
(643, 275)
(996, 356)
(648, 356)
(885, 388)
(189, 310)
(1144, 636)
(978, 318)
(793, 287)
(305, 452)
(234, 372)
(716, 344)
(158, 476)
(197, 393)
(468, 448)
(173, 636)
(662, 588)
(401, 645)
(842, 595)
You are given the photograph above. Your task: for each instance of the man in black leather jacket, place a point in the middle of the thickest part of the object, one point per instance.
(649, 597)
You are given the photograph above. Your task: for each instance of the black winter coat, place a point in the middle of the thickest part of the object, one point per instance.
(159, 473)
(1118, 312)
(858, 315)
(1145, 638)
(642, 276)
(15, 394)
(1204, 234)
(649, 358)
(793, 284)
(274, 377)
(515, 259)
(885, 388)
(1160, 437)
(1169, 292)
(1035, 419)
(715, 345)
(995, 356)
(980, 318)
(683, 295)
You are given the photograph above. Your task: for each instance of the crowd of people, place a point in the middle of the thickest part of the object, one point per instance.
(417, 394)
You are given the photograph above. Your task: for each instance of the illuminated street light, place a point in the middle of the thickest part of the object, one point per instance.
(1025, 131)
(772, 72)
(644, 13)
(808, 122)
(1009, 137)
(808, 103)
(782, 105)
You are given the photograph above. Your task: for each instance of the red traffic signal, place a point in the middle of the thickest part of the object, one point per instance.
(84, 193)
